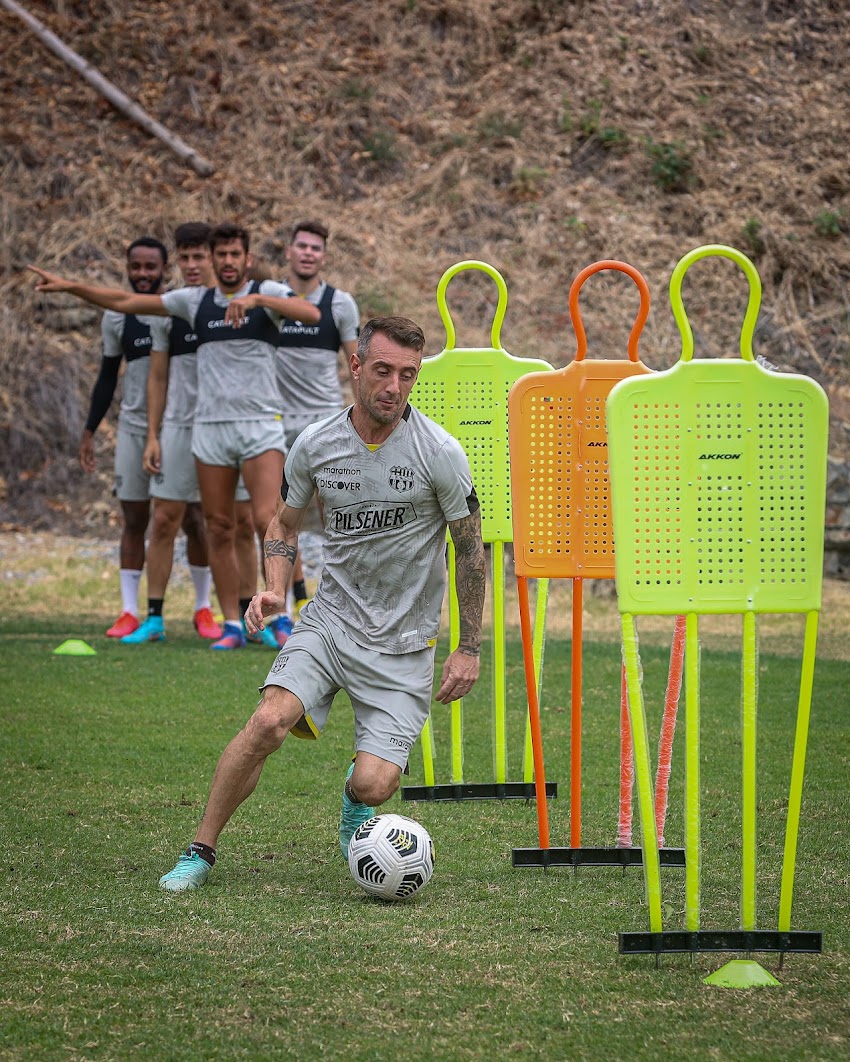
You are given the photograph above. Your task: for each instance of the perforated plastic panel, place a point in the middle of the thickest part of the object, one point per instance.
(718, 475)
(559, 467)
(465, 389)
(559, 453)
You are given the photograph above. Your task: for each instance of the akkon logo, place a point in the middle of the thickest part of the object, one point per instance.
(719, 457)
(597, 444)
(475, 423)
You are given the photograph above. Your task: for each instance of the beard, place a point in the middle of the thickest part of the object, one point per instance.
(146, 285)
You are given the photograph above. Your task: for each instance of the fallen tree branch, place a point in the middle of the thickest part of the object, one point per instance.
(116, 97)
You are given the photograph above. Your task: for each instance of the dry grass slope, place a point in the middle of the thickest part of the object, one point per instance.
(537, 135)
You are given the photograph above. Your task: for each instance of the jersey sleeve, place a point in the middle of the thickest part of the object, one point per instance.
(346, 316)
(279, 291)
(160, 332)
(110, 333)
(298, 484)
(452, 480)
(183, 302)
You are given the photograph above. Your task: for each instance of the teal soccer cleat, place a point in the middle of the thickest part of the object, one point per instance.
(191, 872)
(352, 816)
(152, 630)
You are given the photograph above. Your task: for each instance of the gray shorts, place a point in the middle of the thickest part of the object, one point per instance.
(177, 481)
(390, 694)
(230, 443)
(295, 425)
(131, 481)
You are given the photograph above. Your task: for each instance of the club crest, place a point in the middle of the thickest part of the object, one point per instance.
(401, 479)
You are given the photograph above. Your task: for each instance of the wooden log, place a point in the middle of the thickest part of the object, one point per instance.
(116, 97)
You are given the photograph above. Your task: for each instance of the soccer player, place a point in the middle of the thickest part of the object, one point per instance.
(172, 392)
(390, 480)
(307, 369)
(132, 338)
(237, 423)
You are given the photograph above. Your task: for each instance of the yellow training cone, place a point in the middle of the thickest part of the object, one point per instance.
(74, 647)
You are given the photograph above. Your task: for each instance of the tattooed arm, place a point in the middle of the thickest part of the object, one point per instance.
(280, 548)
(460, 671)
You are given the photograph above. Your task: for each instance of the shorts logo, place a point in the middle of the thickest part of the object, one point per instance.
(401, 743)
(401, 479)
(279, 664)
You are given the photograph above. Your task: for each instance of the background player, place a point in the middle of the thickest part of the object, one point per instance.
(371, 626)
(238, 423)
(131, 338)
(308, 369)
(172, 394)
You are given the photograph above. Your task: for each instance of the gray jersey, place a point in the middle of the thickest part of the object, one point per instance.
(236, 377)
(133, 412)
(385, 514)
(308, 376)
(182, 394)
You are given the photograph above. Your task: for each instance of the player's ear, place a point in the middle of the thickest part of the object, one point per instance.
(355, 364)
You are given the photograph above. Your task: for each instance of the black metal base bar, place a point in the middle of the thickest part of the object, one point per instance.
(477, 791)
(680, 941)
(592, 857)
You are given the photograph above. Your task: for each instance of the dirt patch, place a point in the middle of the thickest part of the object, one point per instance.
(538, 137)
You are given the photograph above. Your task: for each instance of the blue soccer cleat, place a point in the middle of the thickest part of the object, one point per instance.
(191, 872)
(152, 630)
(352, 816)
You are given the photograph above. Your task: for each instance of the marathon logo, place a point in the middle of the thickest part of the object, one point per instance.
(719, 457)
(371, 519)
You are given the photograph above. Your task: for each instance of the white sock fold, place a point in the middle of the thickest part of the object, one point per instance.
(202, 581)
(130, 578)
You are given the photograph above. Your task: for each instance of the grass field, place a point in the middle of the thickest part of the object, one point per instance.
(104, 767)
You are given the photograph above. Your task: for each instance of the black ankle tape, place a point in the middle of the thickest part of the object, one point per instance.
(204, 851)
(349, 792)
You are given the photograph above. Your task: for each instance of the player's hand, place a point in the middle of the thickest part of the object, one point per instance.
(50, 281)
(86, 452)
(152, 458)
(460, 673)
(268, 603)
(237, 310)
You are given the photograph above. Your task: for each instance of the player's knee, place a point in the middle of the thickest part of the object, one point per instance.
(377, 787)
(219, 529)
(165, 524)
(276, 714)
(193, 522)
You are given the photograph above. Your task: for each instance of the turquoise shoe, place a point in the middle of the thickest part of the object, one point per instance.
(352, 816)
(152, 630)
(191, 872)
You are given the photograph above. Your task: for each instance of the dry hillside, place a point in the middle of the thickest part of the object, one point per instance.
(537, 135)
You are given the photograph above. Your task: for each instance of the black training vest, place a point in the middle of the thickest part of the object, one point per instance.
(324, 335)
(183, 340)
(210, 326)
(136, 338)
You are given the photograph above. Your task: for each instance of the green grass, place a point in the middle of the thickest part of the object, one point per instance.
(104, 766)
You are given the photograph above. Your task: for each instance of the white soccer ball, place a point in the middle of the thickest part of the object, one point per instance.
(391, 856)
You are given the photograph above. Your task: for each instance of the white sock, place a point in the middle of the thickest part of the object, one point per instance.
(202, 580)
(130, 579)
